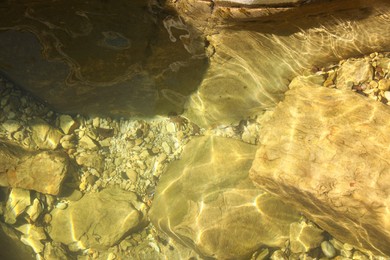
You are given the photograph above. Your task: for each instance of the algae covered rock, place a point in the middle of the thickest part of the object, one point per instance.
(98, 220)
(206, 201)
(326, 151)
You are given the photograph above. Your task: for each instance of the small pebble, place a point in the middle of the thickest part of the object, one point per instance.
(132, 175)
(387, 95)
(61, 205)
(328, 249)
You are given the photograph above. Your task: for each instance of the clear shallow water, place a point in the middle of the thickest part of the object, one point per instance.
(111, 62)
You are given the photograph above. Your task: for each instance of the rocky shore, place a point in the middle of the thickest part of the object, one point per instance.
(80, 187)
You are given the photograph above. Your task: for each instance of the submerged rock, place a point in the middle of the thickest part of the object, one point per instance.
(326, 151)
(43, 172)
(304, 237)
(354, 72)
(44, 135)
(40, 171)
(97, 220)
(206, 201)
(18, 201)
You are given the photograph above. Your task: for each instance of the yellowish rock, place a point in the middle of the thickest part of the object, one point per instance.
(98, 220)
(45, 136)
(87, 143)
(206, 197)
(355, 72)
(43, 172)
(384, 84)
(35, 210)
(304, 237)
(18, 201)
(326, 151)
(67, 124)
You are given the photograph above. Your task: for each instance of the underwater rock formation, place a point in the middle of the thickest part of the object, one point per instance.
(207, 201)
(97, 220)
(326, 151)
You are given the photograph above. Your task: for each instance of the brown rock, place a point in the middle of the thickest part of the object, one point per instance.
(327, 152)
(43, 172)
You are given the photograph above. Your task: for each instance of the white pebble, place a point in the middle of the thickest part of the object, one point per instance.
(328, 249)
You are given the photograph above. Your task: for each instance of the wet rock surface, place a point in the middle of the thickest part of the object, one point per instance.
(99, 220)
(224, 199)
(323, 151)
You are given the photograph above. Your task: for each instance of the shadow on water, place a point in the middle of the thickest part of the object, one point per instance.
(109, 58)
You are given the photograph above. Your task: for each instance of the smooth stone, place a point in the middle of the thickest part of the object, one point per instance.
(170, 127)
(45, 136)
(206, 196)
(132, 175)
(18, 201)
(67, 124)
(98, 220)
(387, 95)
(61, 205)
(75, 196)
(167, 149)
(328, 249)
(324, 151)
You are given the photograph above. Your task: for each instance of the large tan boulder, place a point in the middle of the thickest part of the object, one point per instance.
(327, 151)
(206, 201)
